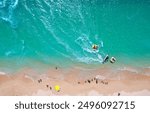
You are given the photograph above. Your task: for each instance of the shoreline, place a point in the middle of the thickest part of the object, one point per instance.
(77, 81)
(12, 65)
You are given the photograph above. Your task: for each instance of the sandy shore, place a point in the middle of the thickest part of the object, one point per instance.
(77, 81)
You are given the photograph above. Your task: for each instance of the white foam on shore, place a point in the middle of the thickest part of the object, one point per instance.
(100, 77)
(147, 74)
(29, 77)
(137, 71)
(128, 69)
(2, 73)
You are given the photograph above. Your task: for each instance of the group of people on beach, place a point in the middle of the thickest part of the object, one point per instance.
(112, 60)
(95, 80)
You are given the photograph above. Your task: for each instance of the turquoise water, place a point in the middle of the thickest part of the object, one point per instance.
(61, 32)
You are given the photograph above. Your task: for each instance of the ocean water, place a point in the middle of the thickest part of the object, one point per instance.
(61, 32)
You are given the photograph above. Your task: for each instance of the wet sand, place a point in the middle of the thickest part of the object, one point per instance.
(77, 81)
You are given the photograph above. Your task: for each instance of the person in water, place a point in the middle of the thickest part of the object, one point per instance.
(94, 47)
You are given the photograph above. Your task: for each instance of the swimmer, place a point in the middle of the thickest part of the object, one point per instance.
(94, 47)
(112, 60)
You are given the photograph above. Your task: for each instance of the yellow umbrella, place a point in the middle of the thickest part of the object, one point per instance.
(57, 87)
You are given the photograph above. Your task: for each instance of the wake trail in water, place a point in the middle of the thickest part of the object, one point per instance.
(63, 27)
(89, 55)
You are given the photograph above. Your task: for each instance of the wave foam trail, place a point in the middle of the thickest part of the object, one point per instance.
(7, 8)
(53, 29)
(89, 55)
(14, 3)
